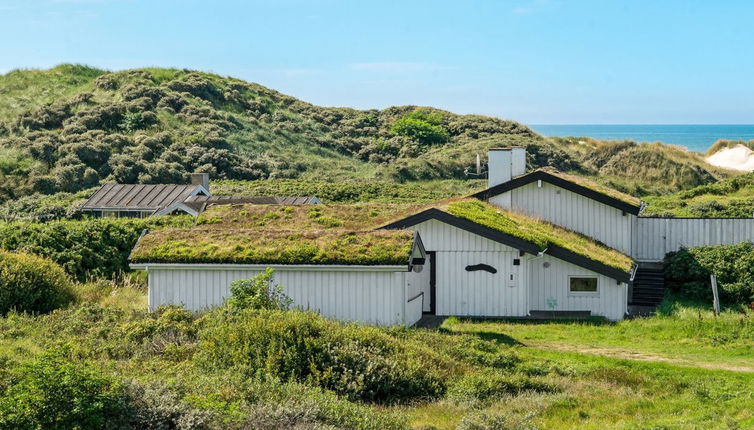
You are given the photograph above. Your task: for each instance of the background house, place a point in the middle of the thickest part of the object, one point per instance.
(142, 201)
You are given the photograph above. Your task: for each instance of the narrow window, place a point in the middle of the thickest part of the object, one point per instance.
(582, 284)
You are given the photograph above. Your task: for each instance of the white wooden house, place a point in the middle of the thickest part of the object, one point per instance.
(376, 293)
(473, 269)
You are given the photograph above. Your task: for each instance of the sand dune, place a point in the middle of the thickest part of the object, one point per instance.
(737, 157)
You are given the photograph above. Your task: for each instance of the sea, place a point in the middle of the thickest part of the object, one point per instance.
(695, 137)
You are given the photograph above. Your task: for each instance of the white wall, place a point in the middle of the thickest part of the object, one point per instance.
(552, 283)
(572, 211)
(476, 293)
(372, 297)
(480, 293)
(655, 237)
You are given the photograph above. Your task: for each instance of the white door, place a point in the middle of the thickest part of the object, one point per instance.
(466, 286)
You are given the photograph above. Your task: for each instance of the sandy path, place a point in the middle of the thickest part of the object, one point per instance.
(639, 356)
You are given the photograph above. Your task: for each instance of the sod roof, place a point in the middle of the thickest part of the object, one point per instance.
(244, 246)
(362, 216)
(574, 183)
(540, 233)
(594, 186)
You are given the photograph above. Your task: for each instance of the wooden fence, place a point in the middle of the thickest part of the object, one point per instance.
(655, 237)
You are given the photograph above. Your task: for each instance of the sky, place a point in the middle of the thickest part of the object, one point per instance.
(533, 61)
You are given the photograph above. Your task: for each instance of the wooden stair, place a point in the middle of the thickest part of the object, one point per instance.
(647, 290)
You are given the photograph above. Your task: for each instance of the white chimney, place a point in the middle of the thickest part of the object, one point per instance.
(200, 179)
(505, 164)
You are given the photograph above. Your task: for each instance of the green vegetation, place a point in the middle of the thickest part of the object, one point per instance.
(641, 169)
(724, 144)
(31, 284)
(85, 249)
(539, 232)
(352, 191)
(421, 126)
(40, 207)
(364, 216)
(258, 293)
(386, 247)
(71, 128)
(233, 369)
(729, 198)
(687, 272)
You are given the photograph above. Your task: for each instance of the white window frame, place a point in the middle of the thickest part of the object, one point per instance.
(584, 293)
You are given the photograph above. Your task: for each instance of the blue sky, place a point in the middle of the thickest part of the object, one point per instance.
(535, 61)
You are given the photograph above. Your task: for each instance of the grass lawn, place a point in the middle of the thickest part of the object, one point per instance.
(684, 370)
(689, 336)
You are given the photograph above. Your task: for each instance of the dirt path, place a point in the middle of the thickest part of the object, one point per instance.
(639, 356)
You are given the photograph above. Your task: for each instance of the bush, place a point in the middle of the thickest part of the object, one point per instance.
(155, 407)
(85, 249)
(422, 127)
(54, 392)
(484, 385)
(32, 284)
(361, 363)
(258, 293)
(495, 421)
(687, 272)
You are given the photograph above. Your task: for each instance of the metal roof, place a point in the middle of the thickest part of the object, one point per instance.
(196, 202)
(138, 197)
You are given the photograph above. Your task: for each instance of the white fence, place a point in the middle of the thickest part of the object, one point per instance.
(655, 237)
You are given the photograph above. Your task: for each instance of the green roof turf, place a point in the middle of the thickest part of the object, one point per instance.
(242, 246)
(543, 234)
(594, 186)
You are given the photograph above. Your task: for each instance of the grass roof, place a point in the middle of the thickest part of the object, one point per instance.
(539, 232)
(242, 246)
(594, 186)
(364, 216)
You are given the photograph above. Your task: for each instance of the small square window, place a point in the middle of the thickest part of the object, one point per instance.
(582, 284)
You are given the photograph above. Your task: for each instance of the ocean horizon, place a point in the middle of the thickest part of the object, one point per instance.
(695, 137)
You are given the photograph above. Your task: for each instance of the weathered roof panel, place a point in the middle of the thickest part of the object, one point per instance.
(138, 196)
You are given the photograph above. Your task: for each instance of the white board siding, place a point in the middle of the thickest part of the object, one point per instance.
(655, 237)
(377, 297)
(552, 283)
(439, 236)
(480, 293)
(572, 211)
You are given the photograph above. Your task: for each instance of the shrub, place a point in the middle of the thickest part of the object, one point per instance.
(687, 272)
(91, 248)
(54, 392)
(258, 293)
(423, 127)
(361, 363)
(495, 421)
(32, 284)
(490, 384)
(156, 407)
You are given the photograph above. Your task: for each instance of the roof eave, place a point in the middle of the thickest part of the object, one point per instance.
(560, 182)
(512, 241)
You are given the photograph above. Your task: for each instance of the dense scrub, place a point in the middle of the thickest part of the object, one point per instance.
(32, 284)
(687, 272)
(729, 198)
(72, 127)
(89, 248)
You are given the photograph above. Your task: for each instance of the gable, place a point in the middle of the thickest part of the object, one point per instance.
(490, 234)
(571, 186)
